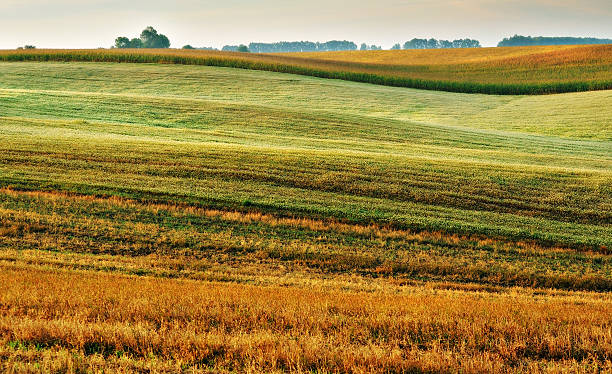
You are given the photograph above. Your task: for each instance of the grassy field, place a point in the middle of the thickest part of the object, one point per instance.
(506, 71)
(172, 218)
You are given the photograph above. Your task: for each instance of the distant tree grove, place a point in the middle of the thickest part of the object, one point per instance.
(519, 40)
(337, 45)
(304, 46)
(441, 44)
(373, 47)
(149, 38)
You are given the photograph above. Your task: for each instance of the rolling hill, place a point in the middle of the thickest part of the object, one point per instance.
(174, 217)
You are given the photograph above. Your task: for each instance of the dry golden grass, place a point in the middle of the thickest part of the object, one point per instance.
(262, 329)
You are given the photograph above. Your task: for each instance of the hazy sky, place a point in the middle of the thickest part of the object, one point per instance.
(96, 23)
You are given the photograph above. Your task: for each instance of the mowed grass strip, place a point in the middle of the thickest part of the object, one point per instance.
(533, 70)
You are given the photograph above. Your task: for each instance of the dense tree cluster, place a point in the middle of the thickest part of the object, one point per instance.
(149, 38)
(519, 40)
(304, 46)
(437, 44)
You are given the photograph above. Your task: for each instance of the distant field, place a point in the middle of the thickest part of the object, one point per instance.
(507, 71)
(162, 217)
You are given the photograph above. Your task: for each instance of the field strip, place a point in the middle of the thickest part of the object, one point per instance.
(418, 152)
(154, 266)
(242, 217)
(196, 323)
(488, 77)
(447, 131)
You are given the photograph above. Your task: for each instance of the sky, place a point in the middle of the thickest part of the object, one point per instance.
(96, 23)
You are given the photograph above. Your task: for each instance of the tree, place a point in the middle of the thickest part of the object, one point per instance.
(122, 42)
(151, 39)
(364, 47)
(188, 47)
(243, 48)
(416, 44)
(446, 44)
(29, 47)
(396, 46)
(135, 43)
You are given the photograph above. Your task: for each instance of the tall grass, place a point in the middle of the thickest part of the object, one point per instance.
(470, 78)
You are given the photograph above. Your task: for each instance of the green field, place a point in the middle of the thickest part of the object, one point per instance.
(241, 177)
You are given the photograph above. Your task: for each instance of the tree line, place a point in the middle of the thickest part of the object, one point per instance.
(439, 44)
(303, 46)
(519, 40)
(337, 45)
(150, 38)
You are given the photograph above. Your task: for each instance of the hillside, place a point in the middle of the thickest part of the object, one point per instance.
(506, 71)
(167, 217)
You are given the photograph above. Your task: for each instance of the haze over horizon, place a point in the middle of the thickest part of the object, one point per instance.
(96, 23)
